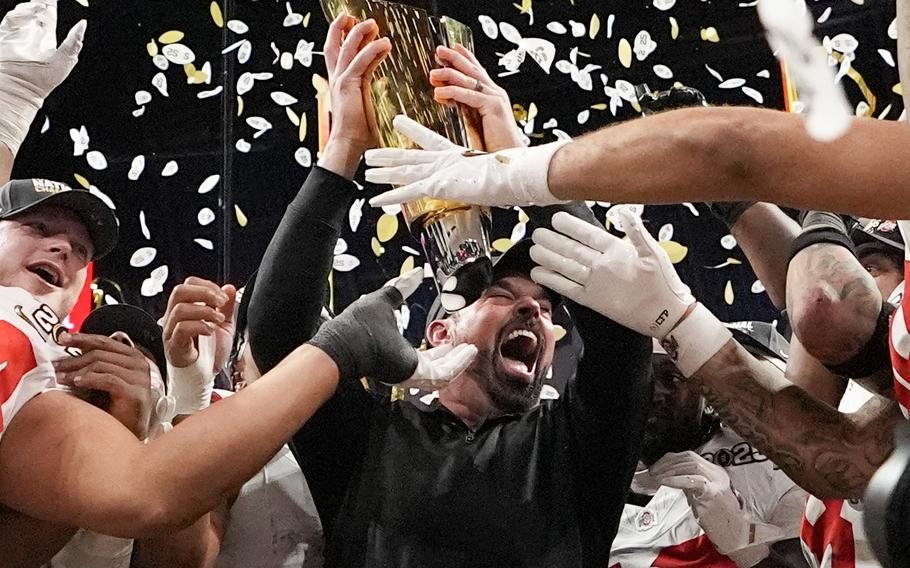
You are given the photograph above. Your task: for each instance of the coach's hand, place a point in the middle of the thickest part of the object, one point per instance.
(115, 367)
(364, 340)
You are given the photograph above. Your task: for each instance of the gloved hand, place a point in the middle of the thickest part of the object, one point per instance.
(716, 506)
(31, 64)
(517, 176)
(364, 340)
(633, 283)
(191, 386)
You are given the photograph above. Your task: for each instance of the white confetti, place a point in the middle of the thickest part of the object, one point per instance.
(892, 29)
(488, 26)
(143, 257)
(143, 97)
(205, 216)
(304, 157)
(758, 287)
(161, 62)
(136, 168)
(518, 232)
(663, 72)
(664, 5)
(151, 288)
(732, 84)
(886, 55)
(755, 95)
(139, 112)
(825, 15)
(583, 116)
(345, 263)
(159, 81)
(610, 22)
(665, 233)
(102, 196)
(715, 73)
(245, 83)
(170, 169)
(178, 54)
(237, 27)
(283, 99)
(355, 214)
(644, 45)
(862, 109)
(287, 61)
(80, 140)
(245, 51)
(550, 124)
(243, 146)
(96, 160)
(143, 227)
(209, 183)
(205, 243)
(556, 28)
(341, 247)
(46, 126)
(728, 242)
(304, 52)
(410, 250)
(214, 92)
(393, 209)
(764, 74)
(578, 28)
(159, 274)
(292, 19)
(260, 124)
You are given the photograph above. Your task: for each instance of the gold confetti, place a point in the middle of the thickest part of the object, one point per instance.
(239, 106)
(525, 7)
(407, 266)
(675, 251)
(302, 133)
(376, 246)
(386, 227)
(898, 89)
(152, 48)
(599, 106)
(558, 332)
(82, 181)
(83, 2)
(215, 9)
(502, 245)
(625, 53)
(523, 217)
(519, 112)
(710, 34)
(728, 293)
(729, 262)
(674, 28)
(594, 27)
(241, 216)
(306, 20)
(172, 36)
(292, 116)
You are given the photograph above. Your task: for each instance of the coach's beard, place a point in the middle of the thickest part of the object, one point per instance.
(508, 393)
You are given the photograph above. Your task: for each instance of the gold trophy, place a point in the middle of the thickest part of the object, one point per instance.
(455, 236)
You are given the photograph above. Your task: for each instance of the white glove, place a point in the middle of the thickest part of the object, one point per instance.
(442, 170)
(633, 283)
(31, 65)
(788, 24)
(192, 386)
(438, 366)
(717, 508)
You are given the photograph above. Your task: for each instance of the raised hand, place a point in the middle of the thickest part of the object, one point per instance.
(31, 64)
(465, 81)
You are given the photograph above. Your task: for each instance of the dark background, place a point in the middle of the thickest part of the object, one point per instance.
(115, 64)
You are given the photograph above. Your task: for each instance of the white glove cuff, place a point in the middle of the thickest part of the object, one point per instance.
(192, 386)
(528, 172)
(18, 108)
(698, 338)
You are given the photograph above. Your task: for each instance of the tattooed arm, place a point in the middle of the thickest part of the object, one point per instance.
(833, 302)
(829, 454)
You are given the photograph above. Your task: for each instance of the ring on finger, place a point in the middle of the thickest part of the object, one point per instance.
(478, 86)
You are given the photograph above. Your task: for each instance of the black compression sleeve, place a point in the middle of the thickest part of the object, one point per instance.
(292, 284)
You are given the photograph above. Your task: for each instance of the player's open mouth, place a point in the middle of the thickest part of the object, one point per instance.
(48, 272)
(519, 351)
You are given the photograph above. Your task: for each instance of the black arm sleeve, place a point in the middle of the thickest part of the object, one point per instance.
(292, 283)
(607, 405)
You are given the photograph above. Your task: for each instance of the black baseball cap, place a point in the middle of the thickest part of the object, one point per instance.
(868, 232)
(133, 321)
(21, 195)
(516, 260)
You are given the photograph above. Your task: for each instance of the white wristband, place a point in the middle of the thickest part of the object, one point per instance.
(529, 169)
(192, 386)
(698, 338)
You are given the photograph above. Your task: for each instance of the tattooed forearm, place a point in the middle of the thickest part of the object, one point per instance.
(827, 453)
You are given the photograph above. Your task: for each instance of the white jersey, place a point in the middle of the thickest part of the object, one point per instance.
(273, 523)
(28, 348)
(666, 533)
